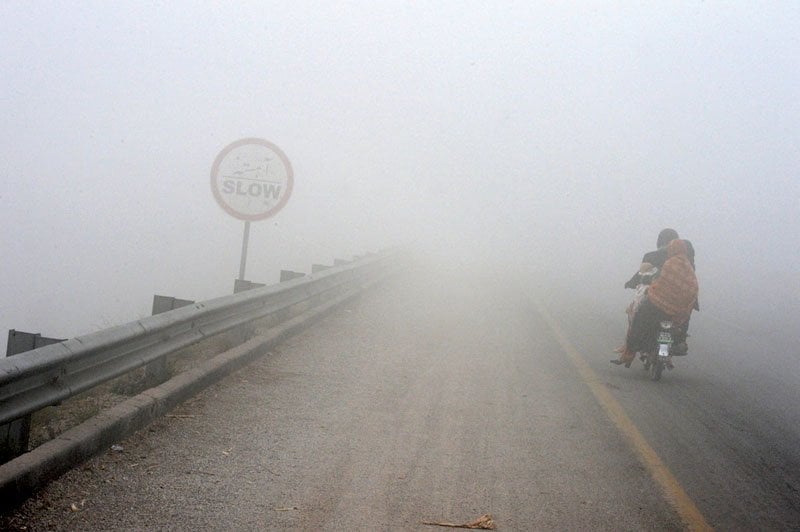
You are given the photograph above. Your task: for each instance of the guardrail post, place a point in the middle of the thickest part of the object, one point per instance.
(14, 435)
(240, 285)
(166, 303)
(288, 275)
(156, 371)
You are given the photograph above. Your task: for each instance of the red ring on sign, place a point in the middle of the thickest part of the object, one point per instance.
(289, 179)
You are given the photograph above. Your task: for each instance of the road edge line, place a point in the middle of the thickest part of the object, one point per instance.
(678, 498)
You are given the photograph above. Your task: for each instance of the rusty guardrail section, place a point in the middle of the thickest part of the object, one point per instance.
(46, 376)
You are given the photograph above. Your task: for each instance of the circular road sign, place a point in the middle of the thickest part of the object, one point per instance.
(252, 179)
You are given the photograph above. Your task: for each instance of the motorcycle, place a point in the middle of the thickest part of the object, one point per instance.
(668, 340)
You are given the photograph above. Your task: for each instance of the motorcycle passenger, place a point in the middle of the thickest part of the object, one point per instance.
(671, 295)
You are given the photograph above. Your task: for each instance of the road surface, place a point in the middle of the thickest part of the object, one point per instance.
(446, 396)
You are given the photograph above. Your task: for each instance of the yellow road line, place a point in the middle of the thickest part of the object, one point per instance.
(675, 494)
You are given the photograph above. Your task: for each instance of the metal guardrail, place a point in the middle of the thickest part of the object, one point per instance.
(48, 375)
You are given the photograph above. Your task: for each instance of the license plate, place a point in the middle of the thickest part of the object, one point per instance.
(664, 337)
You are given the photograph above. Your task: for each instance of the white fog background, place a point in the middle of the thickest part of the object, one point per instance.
(550, 139)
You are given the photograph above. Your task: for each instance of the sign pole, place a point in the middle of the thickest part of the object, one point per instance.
(245, 240)
(251, 179)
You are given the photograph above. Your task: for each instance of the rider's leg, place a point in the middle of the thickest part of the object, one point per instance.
(640, 332)
(680, 346)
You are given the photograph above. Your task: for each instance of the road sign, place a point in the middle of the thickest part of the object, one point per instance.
(252, 179)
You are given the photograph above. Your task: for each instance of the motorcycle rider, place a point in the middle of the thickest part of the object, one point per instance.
(672, 295)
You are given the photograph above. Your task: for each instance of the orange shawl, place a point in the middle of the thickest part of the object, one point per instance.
(674, 291)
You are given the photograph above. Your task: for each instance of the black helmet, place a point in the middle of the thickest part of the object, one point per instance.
(665, 237)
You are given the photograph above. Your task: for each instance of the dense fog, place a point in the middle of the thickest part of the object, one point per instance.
(552, 141)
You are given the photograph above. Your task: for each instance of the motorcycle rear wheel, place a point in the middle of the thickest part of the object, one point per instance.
(656, 367)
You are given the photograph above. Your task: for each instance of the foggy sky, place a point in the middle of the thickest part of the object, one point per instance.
(557, 138)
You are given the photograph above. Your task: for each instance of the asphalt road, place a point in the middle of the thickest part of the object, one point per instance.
(444, 397)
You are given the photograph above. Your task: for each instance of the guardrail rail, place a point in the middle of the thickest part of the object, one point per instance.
(49, 375)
